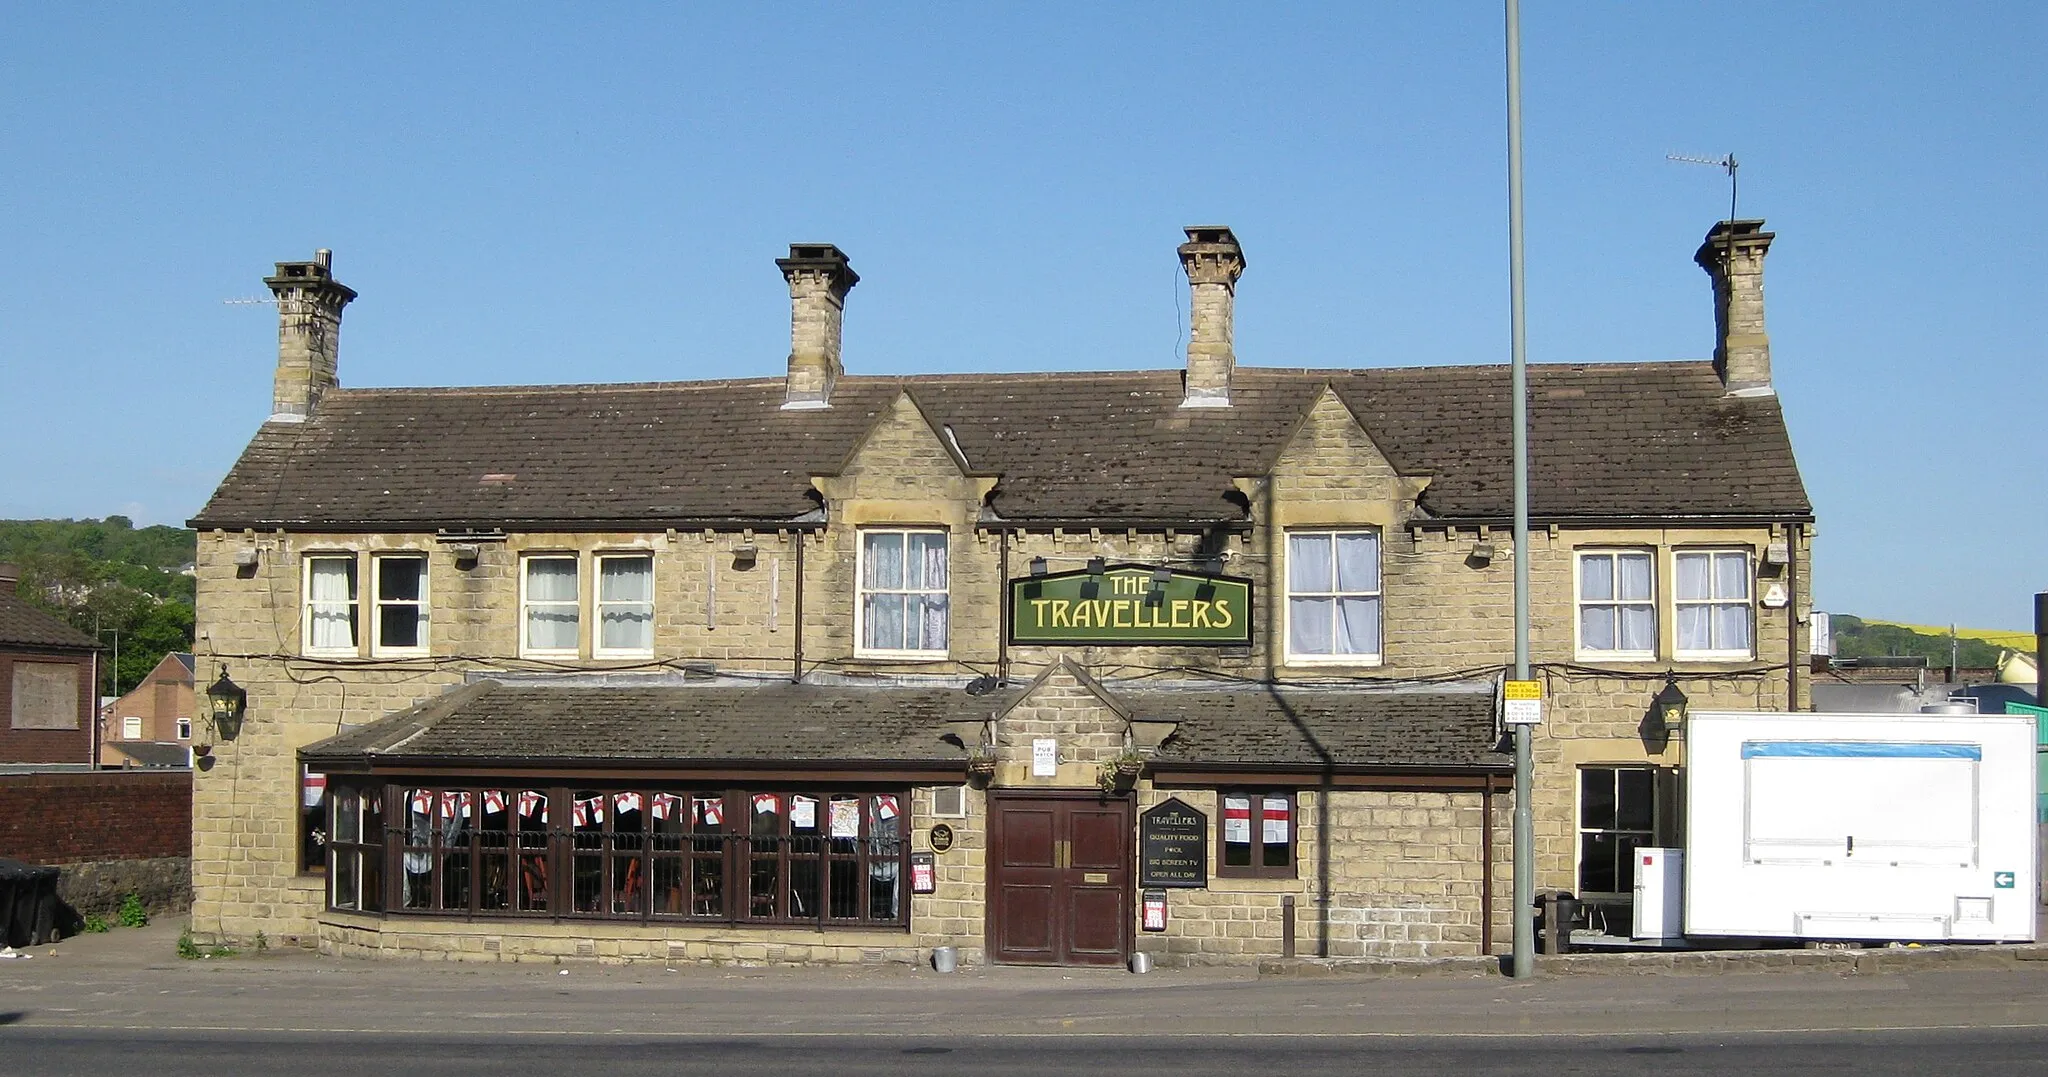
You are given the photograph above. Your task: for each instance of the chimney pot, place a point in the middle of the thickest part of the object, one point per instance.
(1213, 261)
(819, 277)
(309, 304)
(1733, 255)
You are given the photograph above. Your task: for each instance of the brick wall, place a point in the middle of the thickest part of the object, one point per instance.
(114, 833)
(104, 815)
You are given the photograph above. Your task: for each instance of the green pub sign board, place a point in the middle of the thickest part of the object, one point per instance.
(1129, 604)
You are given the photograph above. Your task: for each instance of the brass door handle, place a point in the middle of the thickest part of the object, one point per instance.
(1062, 855)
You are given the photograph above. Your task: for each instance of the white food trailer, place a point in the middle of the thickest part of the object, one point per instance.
(1855, 827)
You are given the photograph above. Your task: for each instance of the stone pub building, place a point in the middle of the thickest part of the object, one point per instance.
(1051, 668)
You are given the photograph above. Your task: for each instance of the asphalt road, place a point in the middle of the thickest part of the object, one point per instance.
(45, 1052)
(122, 1003)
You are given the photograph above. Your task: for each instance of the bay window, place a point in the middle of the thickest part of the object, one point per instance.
(355, 849)
(733, 856)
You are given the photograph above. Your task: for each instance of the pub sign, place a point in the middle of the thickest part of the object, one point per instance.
(1131, 604)
(1173, 846)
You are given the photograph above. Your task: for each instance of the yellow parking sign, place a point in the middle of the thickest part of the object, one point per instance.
(1522, 702)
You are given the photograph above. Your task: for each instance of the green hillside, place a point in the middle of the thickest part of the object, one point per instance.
(106, 576)
(1858, 638)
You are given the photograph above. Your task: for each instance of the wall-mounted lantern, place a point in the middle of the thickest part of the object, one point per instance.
(1668, 708)
(227, 701)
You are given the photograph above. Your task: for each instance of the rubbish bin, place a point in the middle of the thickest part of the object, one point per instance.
(945, 958)
(1555, 912)
(28, 903)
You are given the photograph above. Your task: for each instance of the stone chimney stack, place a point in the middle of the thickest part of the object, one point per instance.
(309, 302)
(1733, 255)
(1213, 262)
(819, 278)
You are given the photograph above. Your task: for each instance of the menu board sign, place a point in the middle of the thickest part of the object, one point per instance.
(1174, 846)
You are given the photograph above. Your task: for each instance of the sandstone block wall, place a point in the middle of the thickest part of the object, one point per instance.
(1378, 873)
(1443, 613)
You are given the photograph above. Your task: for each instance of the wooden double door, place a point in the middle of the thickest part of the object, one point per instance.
(1059, 879)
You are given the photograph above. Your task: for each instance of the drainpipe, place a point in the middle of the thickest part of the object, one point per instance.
(796, 658)
(1792, 663)
(1003, 604)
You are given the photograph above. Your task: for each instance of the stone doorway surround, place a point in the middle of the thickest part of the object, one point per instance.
(1061, 851)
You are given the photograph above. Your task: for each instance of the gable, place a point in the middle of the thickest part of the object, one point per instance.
(904, 457)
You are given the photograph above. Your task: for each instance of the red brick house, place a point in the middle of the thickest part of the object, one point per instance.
(151, 726)
(48, 671)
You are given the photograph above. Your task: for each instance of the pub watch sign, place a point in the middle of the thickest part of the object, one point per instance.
(1131, 604)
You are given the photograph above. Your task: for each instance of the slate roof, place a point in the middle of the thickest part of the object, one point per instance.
(23, 625)
(1293, 727)
(1607, 441)
(850, 726)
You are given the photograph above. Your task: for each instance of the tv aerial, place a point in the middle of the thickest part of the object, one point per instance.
(1726, 162)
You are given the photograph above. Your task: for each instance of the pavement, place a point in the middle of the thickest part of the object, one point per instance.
(130, 982)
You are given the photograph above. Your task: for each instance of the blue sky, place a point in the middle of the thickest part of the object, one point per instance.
(597, 193)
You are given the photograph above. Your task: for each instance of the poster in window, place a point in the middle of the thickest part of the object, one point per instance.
(803, 813)
(846, 818)
(1276, 820)
(1237, 820)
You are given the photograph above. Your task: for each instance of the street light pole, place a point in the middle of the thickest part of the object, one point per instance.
(1525, 820)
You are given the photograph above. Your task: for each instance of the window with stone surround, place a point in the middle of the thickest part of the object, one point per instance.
(400, 588)
(625, 605)
(1257, 834)
(550, 606)
(1621, 809)
(1711, 600)
(902, 608)
(184, 729)
(1333, 596)
(1617, 604)
(768, 856)
(330, 604)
